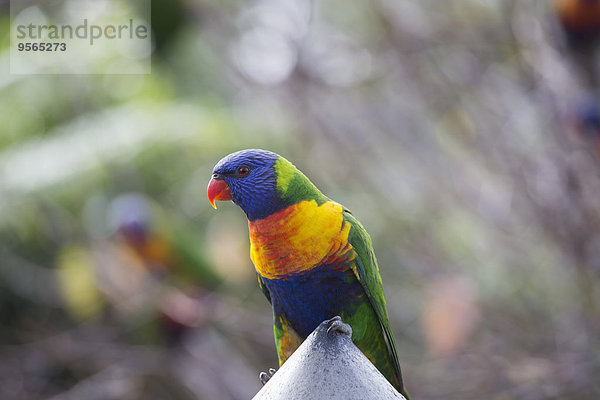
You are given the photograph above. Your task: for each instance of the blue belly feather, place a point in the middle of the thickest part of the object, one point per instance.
(306, 299)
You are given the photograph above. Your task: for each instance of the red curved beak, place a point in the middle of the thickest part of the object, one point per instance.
(217, 190)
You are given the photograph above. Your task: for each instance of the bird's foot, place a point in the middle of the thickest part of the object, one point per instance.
(265, 376)
(335, 324)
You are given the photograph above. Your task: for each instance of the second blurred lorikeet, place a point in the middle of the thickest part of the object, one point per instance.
(580, 20)
(313, 259)
(580, 23)
(161, 248)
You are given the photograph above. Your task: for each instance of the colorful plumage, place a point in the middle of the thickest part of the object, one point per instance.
(313, 259)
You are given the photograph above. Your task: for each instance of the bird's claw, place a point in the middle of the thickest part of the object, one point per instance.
(335, 324)
(265, 376)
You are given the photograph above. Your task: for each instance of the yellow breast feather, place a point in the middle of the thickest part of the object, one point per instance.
(299, 238)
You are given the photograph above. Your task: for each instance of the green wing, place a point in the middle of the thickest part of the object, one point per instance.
(367, 273)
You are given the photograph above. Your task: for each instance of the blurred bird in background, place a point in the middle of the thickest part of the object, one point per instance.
(144, 262)
(164, 251)
(580, 21)
(169, 257)
(141, 271)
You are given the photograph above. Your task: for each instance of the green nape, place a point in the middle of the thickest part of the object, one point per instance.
(293, 186)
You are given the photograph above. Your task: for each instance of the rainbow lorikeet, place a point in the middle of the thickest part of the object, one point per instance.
(313, 259)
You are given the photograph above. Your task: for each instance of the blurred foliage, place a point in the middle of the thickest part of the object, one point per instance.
(448, 127)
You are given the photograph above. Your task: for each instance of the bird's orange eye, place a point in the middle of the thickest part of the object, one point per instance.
(243, 171)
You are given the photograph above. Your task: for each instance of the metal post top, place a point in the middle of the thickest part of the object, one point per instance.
(328, 366)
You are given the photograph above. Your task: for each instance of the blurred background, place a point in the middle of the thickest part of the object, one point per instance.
(464, 134)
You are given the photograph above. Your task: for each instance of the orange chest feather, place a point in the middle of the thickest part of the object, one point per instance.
(299, 238)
